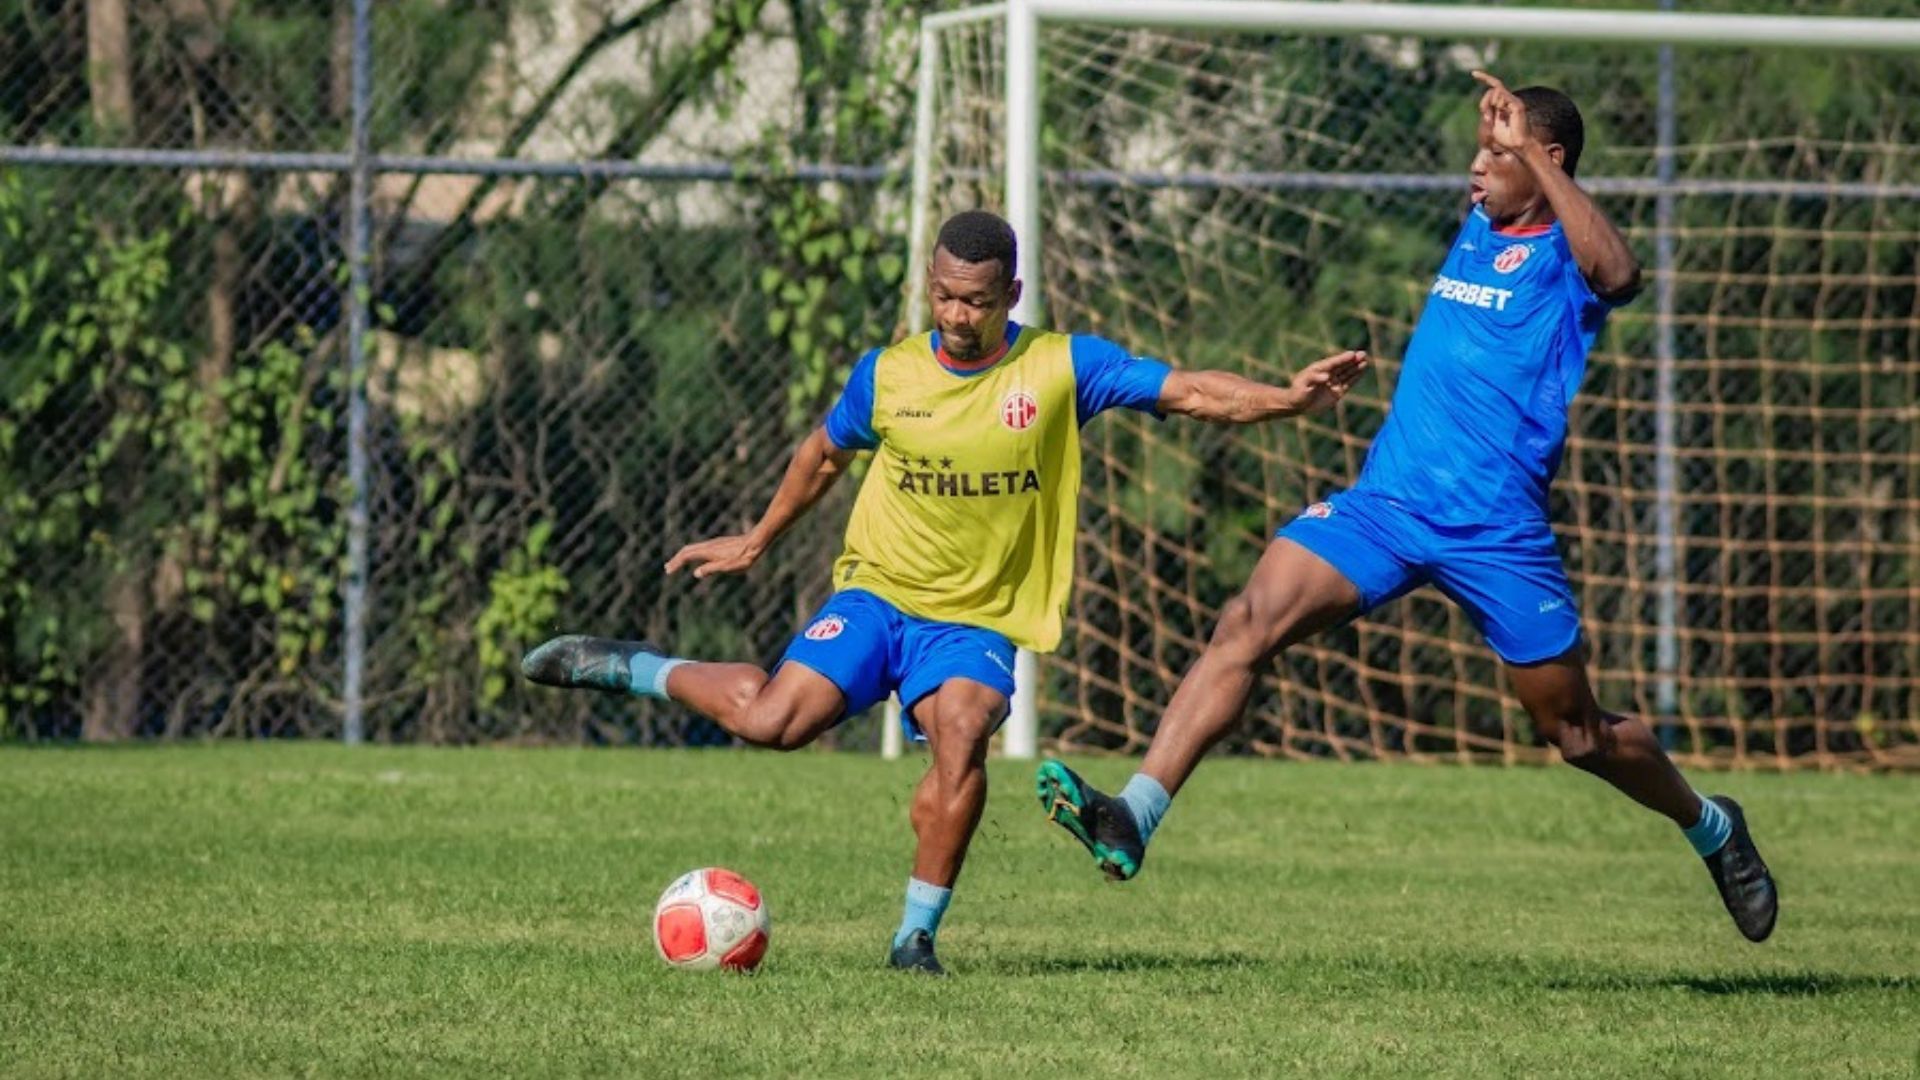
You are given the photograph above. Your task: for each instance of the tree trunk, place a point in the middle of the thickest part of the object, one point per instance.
(113, 696)
(340, 64)
(110, 66)
(112, 705)
(223, 293)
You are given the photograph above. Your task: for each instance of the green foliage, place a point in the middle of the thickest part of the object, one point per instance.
(824, 287)
(838, 254)
(122, 457)
(80, 309)
(524, 596)
(430, 56)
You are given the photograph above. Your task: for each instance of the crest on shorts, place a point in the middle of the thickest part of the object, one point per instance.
(1511, 257)
(825, 628)
(1318, 510)
(1018, 410)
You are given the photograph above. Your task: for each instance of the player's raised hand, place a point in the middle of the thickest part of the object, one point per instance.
(1503, 116)
(1321, 384)
(720, 555)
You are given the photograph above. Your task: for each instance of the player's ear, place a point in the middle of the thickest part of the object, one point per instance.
(1013, 293)
(1559, 155)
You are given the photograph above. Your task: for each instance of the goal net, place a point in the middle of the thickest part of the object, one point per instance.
(1738, 504)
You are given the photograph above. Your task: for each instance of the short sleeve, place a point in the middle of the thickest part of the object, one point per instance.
(1107, 376)
(850, 422)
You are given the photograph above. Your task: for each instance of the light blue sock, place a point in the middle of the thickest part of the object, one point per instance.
(647, 674)
(925, 905)
(1147, 801)
(1710, 833)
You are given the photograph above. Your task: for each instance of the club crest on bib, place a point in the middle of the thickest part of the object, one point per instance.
(825, 628)
(1018, 410)
(1511, 257)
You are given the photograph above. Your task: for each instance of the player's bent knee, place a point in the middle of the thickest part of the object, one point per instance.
(961, 729)
(968, 730)
(1579, 738)
(793, 736)
(1247, 630)
(1587, 757)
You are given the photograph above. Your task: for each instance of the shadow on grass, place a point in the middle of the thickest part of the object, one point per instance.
(1771, 984)
(1122, 961)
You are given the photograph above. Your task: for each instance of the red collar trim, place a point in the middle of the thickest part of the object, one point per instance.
(1525, 230)
(974, 368)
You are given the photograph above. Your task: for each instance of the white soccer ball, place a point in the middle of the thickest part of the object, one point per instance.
(711, 919)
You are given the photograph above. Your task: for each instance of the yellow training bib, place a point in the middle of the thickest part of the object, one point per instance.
(968, 512)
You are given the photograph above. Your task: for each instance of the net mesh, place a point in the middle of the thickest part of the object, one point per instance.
(572, 373)
(1251, 202)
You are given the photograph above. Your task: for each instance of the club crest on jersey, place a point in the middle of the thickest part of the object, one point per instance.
(1318, 510)
(1511, 257)
(1018, 410)
(825, 628)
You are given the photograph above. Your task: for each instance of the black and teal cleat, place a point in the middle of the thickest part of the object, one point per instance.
(916, 955)
(579, 662)
(1746, 885)
(1101, 823)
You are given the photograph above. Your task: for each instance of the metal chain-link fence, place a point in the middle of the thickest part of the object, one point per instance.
(621, 253)
(610, 283)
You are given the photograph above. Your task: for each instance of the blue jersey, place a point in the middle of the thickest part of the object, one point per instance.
(1480, 415)
(1105, 376)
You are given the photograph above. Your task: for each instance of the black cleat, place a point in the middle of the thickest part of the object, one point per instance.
(576, 661)
(1746, 886)
(1101, 823)
(916, 955)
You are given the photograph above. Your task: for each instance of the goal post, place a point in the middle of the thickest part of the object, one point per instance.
(1165, 166)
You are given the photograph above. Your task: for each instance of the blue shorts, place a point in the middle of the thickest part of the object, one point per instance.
(1508, 577)
(869, 649)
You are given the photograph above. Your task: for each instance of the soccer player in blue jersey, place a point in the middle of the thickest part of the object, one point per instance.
(959, 547)
(1454, 493)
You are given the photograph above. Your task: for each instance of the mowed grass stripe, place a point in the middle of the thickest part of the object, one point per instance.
(298, 909)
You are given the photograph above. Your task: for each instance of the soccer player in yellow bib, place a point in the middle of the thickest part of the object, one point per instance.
(960, 546)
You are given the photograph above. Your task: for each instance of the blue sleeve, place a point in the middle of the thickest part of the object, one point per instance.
(1591, 308)
(850, 423)
(1107, 376)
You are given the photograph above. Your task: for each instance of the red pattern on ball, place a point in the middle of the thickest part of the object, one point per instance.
(746, 955)
(733, 887)
(682, 932)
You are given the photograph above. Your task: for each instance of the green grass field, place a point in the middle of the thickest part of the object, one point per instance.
(300, 909)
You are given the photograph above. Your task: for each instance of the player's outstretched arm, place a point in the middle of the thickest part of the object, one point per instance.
(816, 464)
(1605, 260)
(1225, 398)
